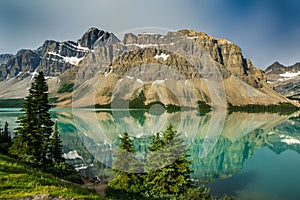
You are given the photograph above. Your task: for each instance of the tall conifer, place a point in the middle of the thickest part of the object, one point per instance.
(5, 138)
(32, 137)
(6, 134)
(55, 146)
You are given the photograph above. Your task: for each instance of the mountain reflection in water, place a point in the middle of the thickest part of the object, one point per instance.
(221, 145)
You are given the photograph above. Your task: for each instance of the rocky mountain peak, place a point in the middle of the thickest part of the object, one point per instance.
(90, 37)
(275, 68)
(94, 37)
(46, 47)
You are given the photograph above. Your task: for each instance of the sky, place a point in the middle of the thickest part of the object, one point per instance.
(266, 30)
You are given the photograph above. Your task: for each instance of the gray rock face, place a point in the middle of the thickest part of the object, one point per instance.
(285, 79)
(289, 88)
(4, 58)
(53, 58)
(25, 61)
(94, 37)
(230, 58)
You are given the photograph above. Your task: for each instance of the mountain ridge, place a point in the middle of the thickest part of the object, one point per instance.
(52, 57)
(184, 67)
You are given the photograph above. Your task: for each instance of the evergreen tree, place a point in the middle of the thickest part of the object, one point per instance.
(39, 91)
(168, 168)
(5, 139)
(156, 143)
(32, 137)
(1, 133)
(6, 134)
(55, 146)
(127, 168)
(1, 140)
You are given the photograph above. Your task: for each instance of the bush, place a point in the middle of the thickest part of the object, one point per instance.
(64, 171)
(116, 194)
(196, 194)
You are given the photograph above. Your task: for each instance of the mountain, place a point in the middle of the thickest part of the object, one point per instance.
(285, 79)
(53, 58)
(179, 68)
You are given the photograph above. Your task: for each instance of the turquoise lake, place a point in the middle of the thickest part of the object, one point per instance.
(248, 156)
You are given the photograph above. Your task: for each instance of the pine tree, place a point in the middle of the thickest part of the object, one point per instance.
(126, 167)
(156, 143)
(39, 90)
(25, 135)
(6, 133)
(1, 133)
(55, 146)
(168, 168)
(32, 137)
(1, 140)
(5, 139)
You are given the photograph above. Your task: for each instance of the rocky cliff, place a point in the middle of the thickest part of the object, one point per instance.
(4, 58)
(180, 68)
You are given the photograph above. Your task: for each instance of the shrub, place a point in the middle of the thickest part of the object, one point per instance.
(65, 87)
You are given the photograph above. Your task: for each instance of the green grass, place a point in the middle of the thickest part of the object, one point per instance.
(65, 87)
(18, 180)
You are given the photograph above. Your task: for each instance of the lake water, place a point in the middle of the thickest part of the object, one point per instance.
(249, 156)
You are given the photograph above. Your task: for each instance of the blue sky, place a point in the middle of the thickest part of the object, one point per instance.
(266, 30)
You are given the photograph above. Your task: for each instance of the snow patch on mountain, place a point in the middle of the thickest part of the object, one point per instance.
(71, 60)
(34, 73)
(290, 74)
(79, 47)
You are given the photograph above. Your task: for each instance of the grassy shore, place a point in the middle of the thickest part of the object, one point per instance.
(18, 180)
